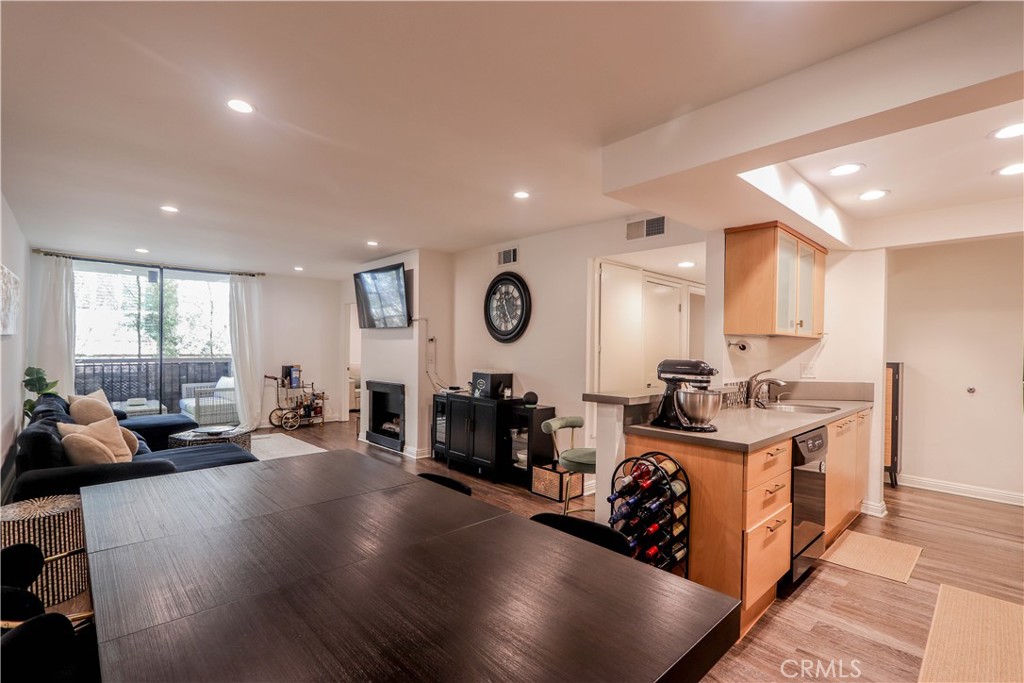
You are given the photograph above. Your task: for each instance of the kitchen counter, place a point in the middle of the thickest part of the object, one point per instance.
(750, 429)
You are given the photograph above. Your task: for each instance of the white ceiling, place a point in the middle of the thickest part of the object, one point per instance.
(943, 164)
(406, 123)
(666, 261)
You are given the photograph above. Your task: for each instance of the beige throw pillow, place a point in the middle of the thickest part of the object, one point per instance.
(98, 395)
(130, 440)
(85, 411)
(107, 432)
(85, 450)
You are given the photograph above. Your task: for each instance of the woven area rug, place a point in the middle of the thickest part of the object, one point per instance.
(274, 446)
(973, 638)
(873, 555)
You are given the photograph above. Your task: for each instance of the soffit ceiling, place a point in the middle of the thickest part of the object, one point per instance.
(940, 165)
(406, 123)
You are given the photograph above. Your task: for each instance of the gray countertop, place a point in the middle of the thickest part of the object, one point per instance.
(624, 398)
(750, 429)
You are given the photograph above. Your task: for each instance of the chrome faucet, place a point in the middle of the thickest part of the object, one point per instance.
(754, 386)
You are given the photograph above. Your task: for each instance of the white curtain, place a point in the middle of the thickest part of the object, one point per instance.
(246, 348)
(52, 332)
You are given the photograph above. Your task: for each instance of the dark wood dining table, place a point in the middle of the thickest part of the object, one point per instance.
(339, 567)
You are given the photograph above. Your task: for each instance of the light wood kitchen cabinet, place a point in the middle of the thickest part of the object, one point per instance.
(842, 500)
(741, 517)
(774, 281)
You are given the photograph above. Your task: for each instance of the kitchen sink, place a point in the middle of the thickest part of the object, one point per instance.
(798, 408)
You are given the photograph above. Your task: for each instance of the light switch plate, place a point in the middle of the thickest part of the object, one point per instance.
(807, 371)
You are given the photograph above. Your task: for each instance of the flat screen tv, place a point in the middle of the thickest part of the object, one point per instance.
(382, 297)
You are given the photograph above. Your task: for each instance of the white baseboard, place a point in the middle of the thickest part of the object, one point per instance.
(874, 509)
(589, 485)
(416, 453)
(967, 490)
(408, 451)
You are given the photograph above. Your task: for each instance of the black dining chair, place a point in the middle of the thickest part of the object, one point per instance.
(598, 534)
(448, 482)
(21, 564)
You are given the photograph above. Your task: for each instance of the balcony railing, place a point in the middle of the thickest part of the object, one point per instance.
(124, 378)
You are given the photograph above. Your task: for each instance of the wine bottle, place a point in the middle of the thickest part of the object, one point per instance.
(664, 520)
(667, 464)
(627, 485)
(679, 509)
(678, 528)
(675, 555)
(678, 487)
(651, 508)
(658, 548)
(620, 513)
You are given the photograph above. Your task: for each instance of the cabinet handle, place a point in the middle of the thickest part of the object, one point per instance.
(775, 527)
(800, 323)
(773, 453)
(775, 489)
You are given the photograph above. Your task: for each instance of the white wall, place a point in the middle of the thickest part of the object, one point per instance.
(955, 320)
(303, 325)
(14, 253)
(852, 350)
(551, 358)
(395, 355)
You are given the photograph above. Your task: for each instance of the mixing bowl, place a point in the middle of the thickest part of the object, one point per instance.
(697, 407)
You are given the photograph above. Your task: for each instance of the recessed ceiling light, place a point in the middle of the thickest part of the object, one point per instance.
(845, 169)
(686, 264)
(142, 251)
(169, 209)
(127, 270)
(521, 195)
(872, 195)
(371, 243)
(1012, 169)
(241, 106)
(1014, 131)
(299, 268)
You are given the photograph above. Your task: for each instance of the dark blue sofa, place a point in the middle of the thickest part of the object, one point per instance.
(42, 467)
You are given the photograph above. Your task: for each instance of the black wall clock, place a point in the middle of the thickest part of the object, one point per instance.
(507, 307)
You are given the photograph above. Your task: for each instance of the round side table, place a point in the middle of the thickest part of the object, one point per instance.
(237, 436)
(55, 525)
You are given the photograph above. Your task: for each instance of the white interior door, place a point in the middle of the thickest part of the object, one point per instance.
(664, 327)
(620, 336)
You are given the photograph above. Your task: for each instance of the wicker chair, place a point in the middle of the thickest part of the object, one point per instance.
(209, 405)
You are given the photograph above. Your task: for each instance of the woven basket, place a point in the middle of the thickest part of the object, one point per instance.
(54, 524)
(552, 481)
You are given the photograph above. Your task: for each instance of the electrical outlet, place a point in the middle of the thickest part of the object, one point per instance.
(808, 371)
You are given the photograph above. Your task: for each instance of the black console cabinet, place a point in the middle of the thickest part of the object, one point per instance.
(474, 431)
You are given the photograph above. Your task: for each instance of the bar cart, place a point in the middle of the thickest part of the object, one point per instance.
(297, 406)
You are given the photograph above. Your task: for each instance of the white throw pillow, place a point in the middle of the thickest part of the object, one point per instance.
(225, 383)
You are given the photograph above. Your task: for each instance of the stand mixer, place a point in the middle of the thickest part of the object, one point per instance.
(687, 403)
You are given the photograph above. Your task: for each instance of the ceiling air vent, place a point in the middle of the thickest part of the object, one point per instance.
(647, 228)
(507, 256)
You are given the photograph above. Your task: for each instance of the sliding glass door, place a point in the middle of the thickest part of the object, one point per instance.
(148, 335)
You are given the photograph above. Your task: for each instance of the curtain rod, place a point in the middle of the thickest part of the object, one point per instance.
(143, 264)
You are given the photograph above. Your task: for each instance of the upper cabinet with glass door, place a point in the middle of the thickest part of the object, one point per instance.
(774, 282)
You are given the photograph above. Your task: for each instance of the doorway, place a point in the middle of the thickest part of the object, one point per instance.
(645, 314)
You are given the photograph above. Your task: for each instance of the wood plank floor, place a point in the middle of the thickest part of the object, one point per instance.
(838, 616)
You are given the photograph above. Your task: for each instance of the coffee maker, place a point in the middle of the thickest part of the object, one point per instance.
(687, 404)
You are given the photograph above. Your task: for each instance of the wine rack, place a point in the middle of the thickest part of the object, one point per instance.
(650, 497)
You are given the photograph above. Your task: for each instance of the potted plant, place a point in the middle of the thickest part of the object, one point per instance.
(36, 382)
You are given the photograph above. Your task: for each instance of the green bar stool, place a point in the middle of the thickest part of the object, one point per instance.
(582, 460)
